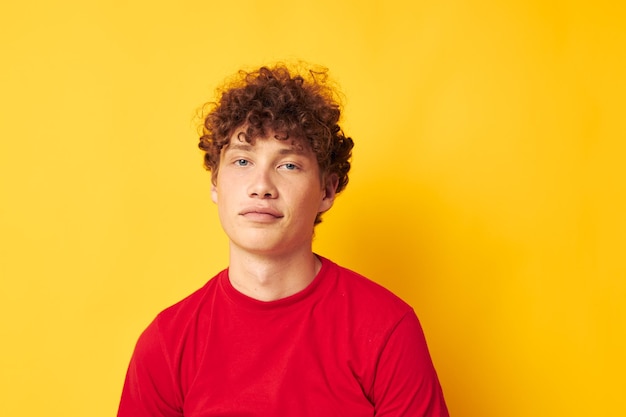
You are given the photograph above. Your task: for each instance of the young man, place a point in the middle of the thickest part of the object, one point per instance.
(282, 331)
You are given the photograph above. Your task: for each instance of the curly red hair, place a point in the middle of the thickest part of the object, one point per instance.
(302, 106)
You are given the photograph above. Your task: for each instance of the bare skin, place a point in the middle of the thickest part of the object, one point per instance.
(268, 194)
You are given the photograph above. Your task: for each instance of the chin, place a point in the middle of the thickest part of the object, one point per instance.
(267, 242)
(267, 247)
(258, 244)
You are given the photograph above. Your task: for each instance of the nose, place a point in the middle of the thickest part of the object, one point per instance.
(262, 185)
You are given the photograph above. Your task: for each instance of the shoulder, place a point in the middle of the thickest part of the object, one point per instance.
(364, 296)
(176, 319)
(363, 287)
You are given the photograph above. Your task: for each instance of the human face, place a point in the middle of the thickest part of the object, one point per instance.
(268, 194)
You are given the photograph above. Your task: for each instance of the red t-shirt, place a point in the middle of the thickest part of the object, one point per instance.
(343, 346)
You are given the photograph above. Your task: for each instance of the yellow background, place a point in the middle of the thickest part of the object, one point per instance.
(487, 188)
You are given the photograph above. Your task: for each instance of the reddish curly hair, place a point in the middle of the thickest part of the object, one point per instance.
(301, 105)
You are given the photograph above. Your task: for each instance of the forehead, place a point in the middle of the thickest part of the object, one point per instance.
(240, 141)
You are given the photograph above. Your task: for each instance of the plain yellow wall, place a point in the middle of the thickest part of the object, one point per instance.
(488, 186)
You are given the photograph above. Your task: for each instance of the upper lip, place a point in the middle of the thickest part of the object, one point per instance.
(261, 210)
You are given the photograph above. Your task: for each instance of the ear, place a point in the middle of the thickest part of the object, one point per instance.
(214, 193)
(330, 191)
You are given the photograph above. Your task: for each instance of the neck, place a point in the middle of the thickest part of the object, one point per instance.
(271, 277)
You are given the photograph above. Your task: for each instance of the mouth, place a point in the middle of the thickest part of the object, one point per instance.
(261, 215)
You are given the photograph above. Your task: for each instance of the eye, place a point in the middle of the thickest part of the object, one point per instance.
(242, 162)
(289, 166)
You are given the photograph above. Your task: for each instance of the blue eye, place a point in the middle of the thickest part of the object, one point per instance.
(290, 167)
(241, 162)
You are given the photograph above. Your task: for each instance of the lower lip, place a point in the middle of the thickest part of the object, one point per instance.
(260, 217)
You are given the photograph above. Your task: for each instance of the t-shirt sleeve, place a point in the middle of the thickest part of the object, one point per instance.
(406, 383)
(150, 388)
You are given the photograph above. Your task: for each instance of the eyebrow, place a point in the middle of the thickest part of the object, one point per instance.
(297, 150)
(238, 147)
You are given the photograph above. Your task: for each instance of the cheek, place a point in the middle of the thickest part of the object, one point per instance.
(312, 202)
